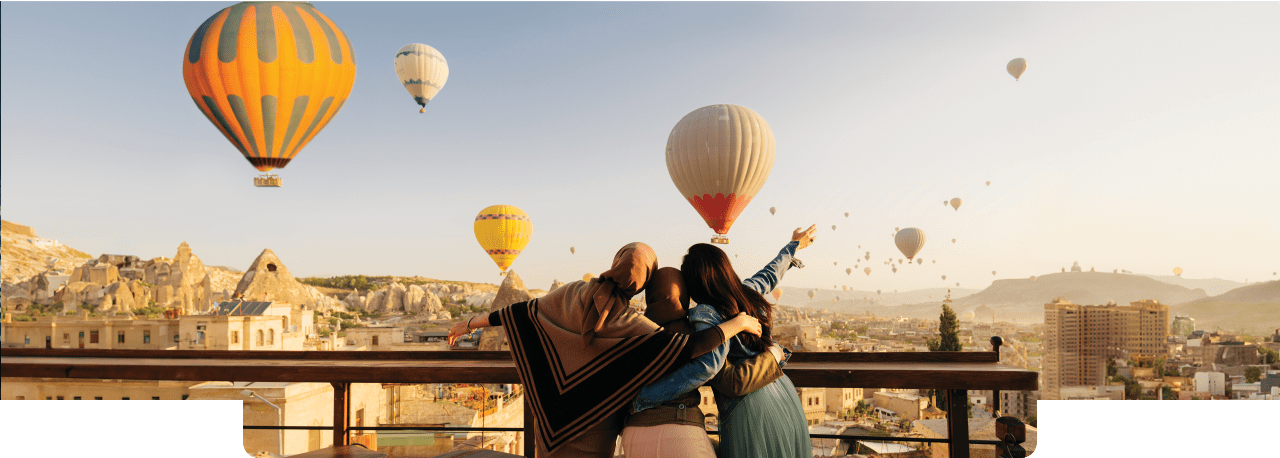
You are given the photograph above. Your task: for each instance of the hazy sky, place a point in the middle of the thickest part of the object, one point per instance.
(1143, 136)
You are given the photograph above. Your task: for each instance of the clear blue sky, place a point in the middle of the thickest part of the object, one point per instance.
(1143, 136)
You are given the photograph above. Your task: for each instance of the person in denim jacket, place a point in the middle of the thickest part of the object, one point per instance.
(768, 422)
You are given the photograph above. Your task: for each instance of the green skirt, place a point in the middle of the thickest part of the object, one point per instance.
(767, 423)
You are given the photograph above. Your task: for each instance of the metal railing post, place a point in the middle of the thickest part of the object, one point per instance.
(341, 413)
(958, 423)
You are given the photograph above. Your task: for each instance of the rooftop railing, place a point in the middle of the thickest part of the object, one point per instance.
(951, 372)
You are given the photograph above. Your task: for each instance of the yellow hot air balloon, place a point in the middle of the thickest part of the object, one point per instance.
(993, 273)
(935, 261)
(867, 270)
(953, 240)
(503, 231)
(848, 271)
(1177, 271)
(773, 210)
(846, 214)
(269, 76)
(718, 157)
(1016, 67)
(955, 203)
(423, 72)
(909, 241)
(587, 277)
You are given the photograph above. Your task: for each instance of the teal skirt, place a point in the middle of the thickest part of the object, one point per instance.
(768, 423)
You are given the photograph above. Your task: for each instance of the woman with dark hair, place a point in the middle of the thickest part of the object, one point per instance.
(768, 422)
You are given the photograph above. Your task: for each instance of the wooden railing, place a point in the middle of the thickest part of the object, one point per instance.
(954, 372)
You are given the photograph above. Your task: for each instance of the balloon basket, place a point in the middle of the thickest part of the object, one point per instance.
(720, 238)
(268, 180)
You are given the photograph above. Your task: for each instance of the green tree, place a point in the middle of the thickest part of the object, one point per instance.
(1032, 420)
(1252, 374)
(1269, 356)
(1167, 393)
(948, 329)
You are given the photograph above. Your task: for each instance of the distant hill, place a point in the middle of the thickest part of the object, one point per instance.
(1252, 309)
(799, 297)
(25, 254)
(1211, 286)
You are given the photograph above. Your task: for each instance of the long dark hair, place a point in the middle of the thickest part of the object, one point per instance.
(711, 280)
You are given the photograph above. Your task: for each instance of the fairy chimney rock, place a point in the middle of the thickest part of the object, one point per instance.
(511, 292)
(267, 279)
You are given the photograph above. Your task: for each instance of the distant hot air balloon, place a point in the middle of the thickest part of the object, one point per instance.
(868, 256)
(944, 277)
(878, 292)
(835, 263)
(955, 203)
(867, 270)
(1177, 271)
(899, 261)
(503, 231)
(953, 240)
(573, 250)
(587, 277)
(988, 183)
(920, 261)
(846, 214)
(833, 227)
(896, 229)
(848, 271)
(895, 269)
(945, 203)
(935, 261)
(269, 76)
(993, 273)
(811, 294)
(834, 300)
(773, 210)
(1016, 67)
(777, 294)
(718, 157)
(909, 241)
(422, 71)
(1033, 278)
(957, 283)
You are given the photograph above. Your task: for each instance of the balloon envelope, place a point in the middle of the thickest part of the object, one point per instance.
(944, 277)
(909, 241)
(719, 156)
(1177, 271)
(503, 231)
(810, 294)
(1016, 67)
(573, 250)
(269, 76)
(422, 70)
(955, 203)
(777, 294)
(773, 210)
(988, 183)
(867, 270)
(848, 271)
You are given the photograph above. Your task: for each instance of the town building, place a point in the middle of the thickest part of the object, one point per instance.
(1182, 325)
(1211, 383)
(813, 400)
(1092, 392)
(1079, 339)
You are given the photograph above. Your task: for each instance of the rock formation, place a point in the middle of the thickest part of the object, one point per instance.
(267, 279)
(555, 284)
(511, 292)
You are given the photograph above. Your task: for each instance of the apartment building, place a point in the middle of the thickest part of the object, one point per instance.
(1080, 338)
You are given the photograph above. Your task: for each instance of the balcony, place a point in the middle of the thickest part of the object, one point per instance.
(954, 372)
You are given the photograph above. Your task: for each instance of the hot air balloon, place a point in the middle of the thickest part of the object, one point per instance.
(945, 203)
(422, 71)
(899, 261)
(773, 210)
(269, 76)
(1177, 271)
(719, 156)
(895, 269)
(993, 273)
(896, 229)
(867, 270)
(1016, 67)
(944, 277)
(503, 231)
(920, 261)
(587, 277)
(935, 261)
(846, 214)
(848, 271)
(811, 294)
(573, 250)
(878, 292)
(833, 227)
(909, 241)
(1033, 278)
(957, 283)
(834, 300)
(988, 183)
(955, 203)
(953, 240)
(835, 263)
(777, 294)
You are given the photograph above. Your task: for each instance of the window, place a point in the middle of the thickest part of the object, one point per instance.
(60, 398)
(260, 338)
(375, 340)
(175, 338)
(155, 398)
(146, 337)
(120, 337)
(26, 340)
(20, 398)
(48, 398)
(235, 337)
(93, 336)
(271, 337)
(185, 396)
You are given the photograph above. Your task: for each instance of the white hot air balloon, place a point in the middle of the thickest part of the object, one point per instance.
(848, 271)
(955, 203)
(1016, 67)
(920, 261)
(773, 210)
(944, 277)
(718, 157)
(573, 250)
(423, 72)
(867, 270)
(909, 241)
(988, 183)
(811, 294)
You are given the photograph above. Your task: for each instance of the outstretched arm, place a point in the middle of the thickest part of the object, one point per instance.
(767, 278)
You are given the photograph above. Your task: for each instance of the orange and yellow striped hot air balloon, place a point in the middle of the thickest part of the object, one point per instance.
(503, 231)
(269, 76)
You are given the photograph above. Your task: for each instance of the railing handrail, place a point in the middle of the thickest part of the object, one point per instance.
(942, 357)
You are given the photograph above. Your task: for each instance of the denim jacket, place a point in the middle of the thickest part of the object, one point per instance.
(703, 316)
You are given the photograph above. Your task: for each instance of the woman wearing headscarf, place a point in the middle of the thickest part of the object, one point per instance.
(675, 428)
(582, 353)
(768, 422)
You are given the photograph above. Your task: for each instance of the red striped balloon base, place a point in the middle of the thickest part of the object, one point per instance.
(720, 212)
